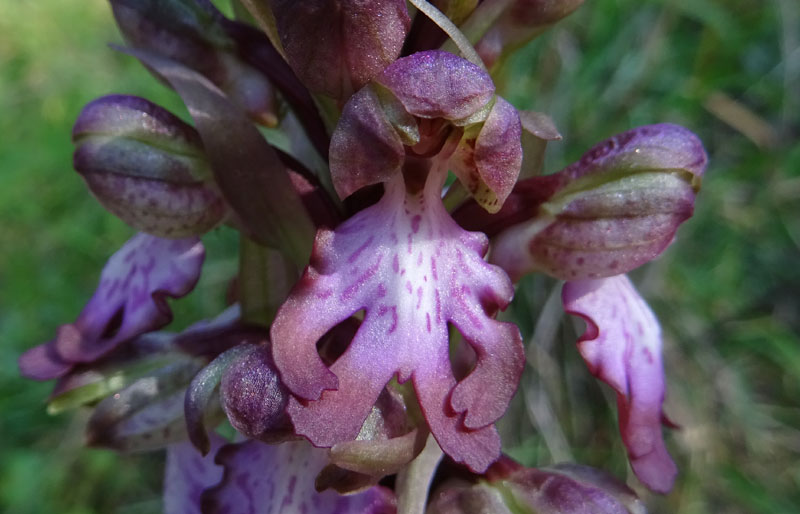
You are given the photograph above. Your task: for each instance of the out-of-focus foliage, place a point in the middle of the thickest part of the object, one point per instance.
(726, 293)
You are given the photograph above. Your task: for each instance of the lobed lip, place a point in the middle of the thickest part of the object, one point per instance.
(413, 270)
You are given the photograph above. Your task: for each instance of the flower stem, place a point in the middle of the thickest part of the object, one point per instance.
(265, 278)
(413, 482)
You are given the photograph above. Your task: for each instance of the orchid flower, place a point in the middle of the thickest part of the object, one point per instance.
(408, 265)
(365, 336)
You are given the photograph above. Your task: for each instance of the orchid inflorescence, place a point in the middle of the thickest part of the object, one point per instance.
(377, 248)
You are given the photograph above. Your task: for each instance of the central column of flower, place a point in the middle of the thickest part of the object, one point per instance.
(408, 265)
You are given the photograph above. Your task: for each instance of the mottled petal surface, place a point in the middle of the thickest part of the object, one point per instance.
(277, 479)
(129, 301)
(413, 270)
(622, 347)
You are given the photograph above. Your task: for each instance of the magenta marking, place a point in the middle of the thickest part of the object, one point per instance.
(360, 249)
(409, 287)
(396, 263)
(433, 269)
(415, 223)
(419, 297)
(428, 321)
(351, 290)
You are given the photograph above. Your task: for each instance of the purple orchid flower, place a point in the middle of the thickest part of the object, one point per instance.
(130, 300)
(408, 264)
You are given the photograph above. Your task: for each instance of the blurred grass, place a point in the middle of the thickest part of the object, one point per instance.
(726, 292)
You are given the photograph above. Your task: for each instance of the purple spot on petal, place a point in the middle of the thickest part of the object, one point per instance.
(354, 256)
(415, 223)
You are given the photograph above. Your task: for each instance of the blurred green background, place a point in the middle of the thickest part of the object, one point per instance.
(727, 292)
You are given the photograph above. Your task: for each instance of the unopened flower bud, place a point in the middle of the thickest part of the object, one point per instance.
(563, 489)
(612, 211)
(336, 47)
(147, 167)
(193, 34)
(523, 21)
(253, 396)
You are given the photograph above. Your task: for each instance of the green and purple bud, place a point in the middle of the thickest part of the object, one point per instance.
(520, 23)
(193, 33)
(614, 210)
(336, 47)
(147, 167)
(510, 488)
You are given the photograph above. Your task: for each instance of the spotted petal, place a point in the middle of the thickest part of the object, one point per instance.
(413, 270)
(129, 301)
(622, 347)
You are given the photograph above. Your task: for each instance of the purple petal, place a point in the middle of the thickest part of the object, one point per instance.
(187, 475)
(337, 47)
(437, 84)
(130, 300)
(489, 165)
(413, 270)
(622, 347)
(276, 479)
(365, 148)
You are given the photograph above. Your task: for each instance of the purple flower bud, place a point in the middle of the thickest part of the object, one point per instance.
(336, 47)
(253, 396)
(146, 166)
(563, 489)
(522, 21)
(192, 33)
(612, 211)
